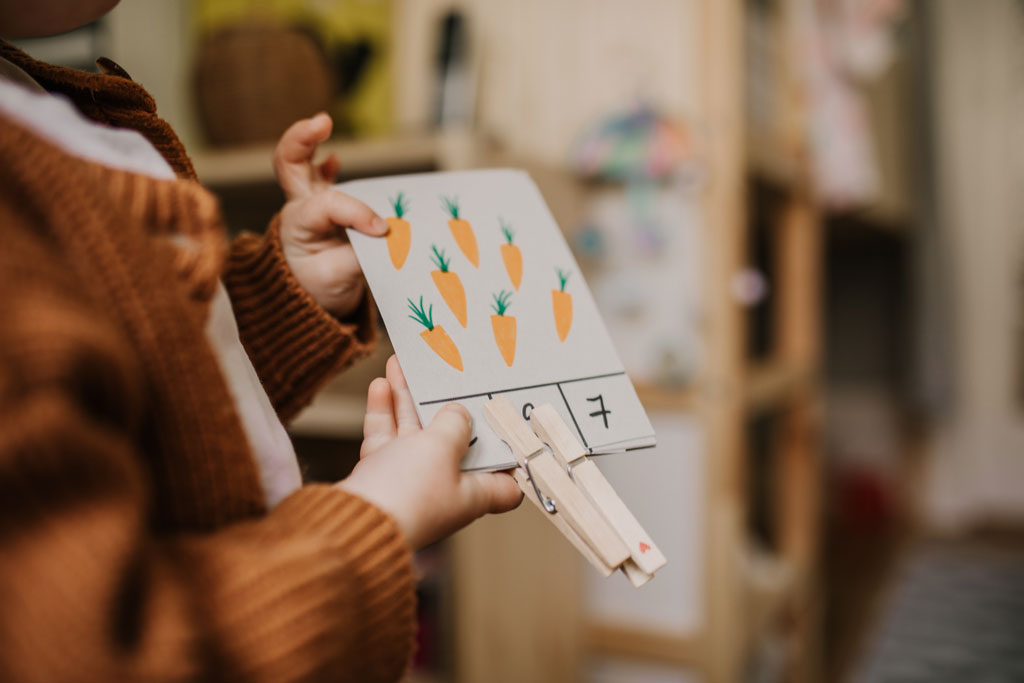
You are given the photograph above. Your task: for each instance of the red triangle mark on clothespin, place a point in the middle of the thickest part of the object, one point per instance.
(644, 547)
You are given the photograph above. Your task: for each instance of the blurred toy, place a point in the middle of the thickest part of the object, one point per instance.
(255, 79)
(637, 145)
(845, 44)
(641, 238)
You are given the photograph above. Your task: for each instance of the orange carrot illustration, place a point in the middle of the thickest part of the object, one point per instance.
(399, 235)
(435, 336)
(561, 305)
(462, 231)
(512, 256)
(504, 327)
(449, 285)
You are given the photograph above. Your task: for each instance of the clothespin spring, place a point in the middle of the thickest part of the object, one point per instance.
(549, 504)
(580, 459)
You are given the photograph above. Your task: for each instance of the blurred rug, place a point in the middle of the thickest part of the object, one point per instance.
(954, 613)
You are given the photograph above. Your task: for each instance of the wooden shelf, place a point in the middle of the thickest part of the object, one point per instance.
(253, 163)
(773, 383)
(771, 585)
(657, 398)
(766, 163)
(676, 649)
(772, 161)
(883, 216)
(768, 385)
(332, 415)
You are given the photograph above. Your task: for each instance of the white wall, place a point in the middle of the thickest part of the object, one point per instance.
(976, 467)
(151, 40)
(665, 488)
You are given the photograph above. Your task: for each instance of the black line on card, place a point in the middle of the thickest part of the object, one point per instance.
(584, 379)
(594, 452)
(532, 386)
(574, 423)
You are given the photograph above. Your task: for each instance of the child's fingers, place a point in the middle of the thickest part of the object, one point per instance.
(395, 374)
(298, 144)
(379, 423)
(329, 168)
(321, 211)
(336, 264)
(453, 425)
(405, 408)
(293, 155)
(491, 492)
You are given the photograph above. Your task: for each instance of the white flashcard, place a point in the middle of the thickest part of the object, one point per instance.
(481, 296)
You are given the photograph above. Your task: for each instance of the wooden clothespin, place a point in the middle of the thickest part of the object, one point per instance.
(577, 498)
(527, 488)
(644, 556)
(550, 483)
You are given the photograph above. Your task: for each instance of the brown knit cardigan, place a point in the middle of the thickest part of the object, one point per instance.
(134, 540)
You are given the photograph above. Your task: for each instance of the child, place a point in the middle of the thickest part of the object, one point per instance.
(152, 520)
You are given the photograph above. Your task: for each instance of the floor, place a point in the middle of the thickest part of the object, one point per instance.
(953, 611)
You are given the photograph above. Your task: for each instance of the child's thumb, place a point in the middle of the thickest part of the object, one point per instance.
(454, 425)
(495, 491)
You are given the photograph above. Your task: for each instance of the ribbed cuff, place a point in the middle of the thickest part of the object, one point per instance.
(381, 569)
(294, 343)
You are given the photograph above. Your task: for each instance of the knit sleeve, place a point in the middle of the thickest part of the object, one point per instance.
(334, 600)
(294, 343)
(319, 589)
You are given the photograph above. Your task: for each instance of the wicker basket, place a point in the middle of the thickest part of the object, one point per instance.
(254, 80)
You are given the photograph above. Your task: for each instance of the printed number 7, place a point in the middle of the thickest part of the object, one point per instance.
(602, 411)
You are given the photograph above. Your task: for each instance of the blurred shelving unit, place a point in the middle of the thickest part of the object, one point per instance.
(782, 602)
(252, 164)
(756, 594)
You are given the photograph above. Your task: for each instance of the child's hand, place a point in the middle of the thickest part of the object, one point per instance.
(314, 245)
(413, 473)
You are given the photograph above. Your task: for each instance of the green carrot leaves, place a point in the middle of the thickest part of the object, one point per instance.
(451, 205)
(400, 204)
(502, 300)
(420, 315)
(563, 277)
(506, 230)
(439, 260)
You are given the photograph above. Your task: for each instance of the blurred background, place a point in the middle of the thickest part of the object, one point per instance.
(803, 221)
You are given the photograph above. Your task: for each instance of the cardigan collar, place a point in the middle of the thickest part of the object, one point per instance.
(111, 98)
